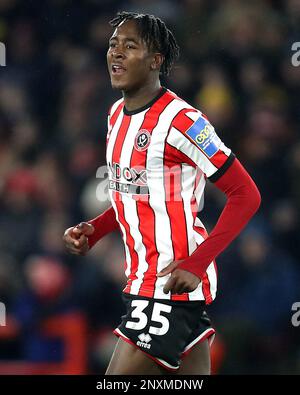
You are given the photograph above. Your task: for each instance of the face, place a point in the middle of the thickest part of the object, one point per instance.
(130, 64)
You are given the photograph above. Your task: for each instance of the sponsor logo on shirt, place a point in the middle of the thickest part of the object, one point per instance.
(205, 137)
(128, 179)
(130, 174)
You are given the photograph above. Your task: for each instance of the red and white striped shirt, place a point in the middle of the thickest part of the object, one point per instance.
(159, 158)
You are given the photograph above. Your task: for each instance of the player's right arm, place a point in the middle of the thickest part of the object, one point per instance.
(81, 238)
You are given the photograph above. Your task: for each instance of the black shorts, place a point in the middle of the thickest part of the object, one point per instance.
(163, 329)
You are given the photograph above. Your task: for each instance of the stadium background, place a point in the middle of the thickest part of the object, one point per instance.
(236, 67)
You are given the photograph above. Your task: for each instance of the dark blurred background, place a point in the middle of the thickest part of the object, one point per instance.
(55, 92)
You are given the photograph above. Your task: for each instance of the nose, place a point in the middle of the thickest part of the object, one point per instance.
(118, 54)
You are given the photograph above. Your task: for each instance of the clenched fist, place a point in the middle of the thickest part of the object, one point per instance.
(76, 240)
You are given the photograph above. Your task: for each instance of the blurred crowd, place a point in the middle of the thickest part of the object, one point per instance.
(55, 92)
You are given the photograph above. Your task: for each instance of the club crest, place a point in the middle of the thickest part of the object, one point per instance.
(142, 140)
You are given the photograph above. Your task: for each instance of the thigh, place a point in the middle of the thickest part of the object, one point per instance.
(197, 361)
(129, 360)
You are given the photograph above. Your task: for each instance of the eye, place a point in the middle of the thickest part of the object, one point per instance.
(112, 45)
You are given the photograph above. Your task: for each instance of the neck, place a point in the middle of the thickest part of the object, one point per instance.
(140, 97)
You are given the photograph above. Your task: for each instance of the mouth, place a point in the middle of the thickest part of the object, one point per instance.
(117, 69)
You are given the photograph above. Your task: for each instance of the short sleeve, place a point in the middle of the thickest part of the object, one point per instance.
(193, 135)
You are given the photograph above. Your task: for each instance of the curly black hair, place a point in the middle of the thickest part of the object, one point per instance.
(155, 34)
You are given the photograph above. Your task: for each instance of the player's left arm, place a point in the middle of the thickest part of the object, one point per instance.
(243, 200)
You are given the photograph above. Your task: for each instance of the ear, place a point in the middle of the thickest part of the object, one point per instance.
(157, 61)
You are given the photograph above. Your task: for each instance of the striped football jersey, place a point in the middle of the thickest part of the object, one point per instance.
(158, 159)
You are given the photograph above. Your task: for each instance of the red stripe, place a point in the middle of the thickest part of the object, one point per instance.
(144, 210)
(194, 204)
(182, 122)
(205, 280)
(219, 159)
(175, 210)
(183, 297)
(129, 239)
(202, 231)
(147, 229)
(206, 289)
(114, 116)
(120, 139)
(114, 197)
(112, 119)
(181, 157)
(175, 206)
(117, 197)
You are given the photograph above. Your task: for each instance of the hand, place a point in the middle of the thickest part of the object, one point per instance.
(180, 281)
(75, 238)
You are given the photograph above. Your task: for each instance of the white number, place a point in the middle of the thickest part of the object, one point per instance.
(156, 317)
(140, 305)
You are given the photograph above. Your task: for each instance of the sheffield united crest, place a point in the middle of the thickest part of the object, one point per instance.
(142, 140)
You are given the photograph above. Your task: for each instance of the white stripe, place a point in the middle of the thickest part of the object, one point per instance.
(128, 144)
(187, 186)
(225, 149)
(211, 338)
(115, 106)
(198, 224)
(120, 333)
(194, 115)
(199, 192)
(163, 362)
(109, 151)
(127, 252)
(197, 294)
(131, 217)
(112, 110)
(112, 138)
(155, 177)
(130, 206)
(183, 144)
(212, 276)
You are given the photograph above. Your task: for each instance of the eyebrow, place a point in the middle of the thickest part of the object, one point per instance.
(126, 39)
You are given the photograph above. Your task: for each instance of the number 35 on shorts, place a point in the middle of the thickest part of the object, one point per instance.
(156, 317)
